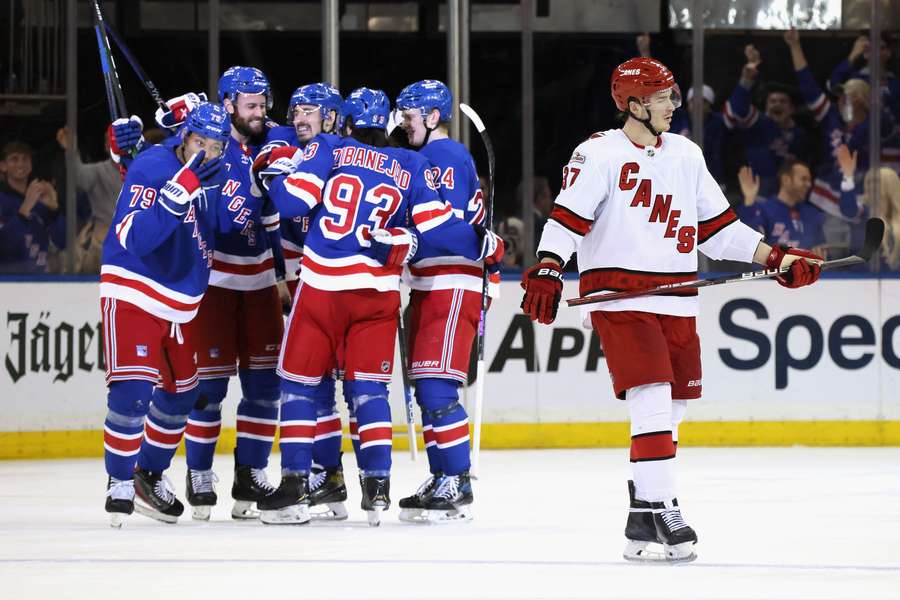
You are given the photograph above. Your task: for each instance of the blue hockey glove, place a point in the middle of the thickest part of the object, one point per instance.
(126, 137)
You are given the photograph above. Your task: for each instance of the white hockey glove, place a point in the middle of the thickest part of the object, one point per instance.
(177, 109)
(394, 247)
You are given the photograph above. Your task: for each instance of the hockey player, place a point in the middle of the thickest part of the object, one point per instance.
(635, 204)
(445, 307)
(239, 325)
(315, 109)
(156, 262)
(348, 300)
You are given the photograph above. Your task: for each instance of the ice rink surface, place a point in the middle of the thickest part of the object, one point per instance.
(811, 523)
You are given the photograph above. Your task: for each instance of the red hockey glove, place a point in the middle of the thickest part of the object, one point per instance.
(543, 289)
(802, 272)
(394, 247)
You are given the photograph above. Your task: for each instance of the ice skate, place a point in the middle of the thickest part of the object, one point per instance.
(327, 494)
(656, 532)
(376, 497)
(249, 487)
(452, 501)
(412, 508)
(201, 493)
(119, 500)
(155, 497)
(287, 505)
(677, 537)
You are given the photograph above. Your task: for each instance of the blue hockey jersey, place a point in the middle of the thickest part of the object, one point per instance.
(151, 257)
(456, 178)
(242, 259)
(361, 188)
(798, 226)
(293, 231)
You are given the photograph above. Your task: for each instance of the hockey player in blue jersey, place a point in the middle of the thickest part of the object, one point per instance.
(156, 263)
(445, 308)
(239, 326)
(376, 202)
(315, 109)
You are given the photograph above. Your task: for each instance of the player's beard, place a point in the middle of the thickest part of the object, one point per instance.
(252, 129)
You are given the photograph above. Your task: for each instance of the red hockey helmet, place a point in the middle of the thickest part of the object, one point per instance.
(638, 78)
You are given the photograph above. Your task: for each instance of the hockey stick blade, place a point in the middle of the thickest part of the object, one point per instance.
(874, 236)
(473, 116)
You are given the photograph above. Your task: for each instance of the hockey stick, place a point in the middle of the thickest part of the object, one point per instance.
(114, 96)
(407, 388)
(136, 67)
(874, 234)
(482, 322)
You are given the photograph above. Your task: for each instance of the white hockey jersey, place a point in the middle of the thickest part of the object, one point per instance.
(637, 215)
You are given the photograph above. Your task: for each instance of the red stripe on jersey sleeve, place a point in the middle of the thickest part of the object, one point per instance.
(424, 216)
(306, 187)
(711, 227)
(570, 220)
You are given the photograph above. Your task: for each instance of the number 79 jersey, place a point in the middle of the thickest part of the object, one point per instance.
(637, 215)
(361, 188)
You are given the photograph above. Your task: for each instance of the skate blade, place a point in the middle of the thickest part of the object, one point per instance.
(374, 516)
(201, 513)
(413, 515)
(154, 514)
(331, 511)
(649, 552)
(243, 511)
(116, 520)
(461, 514)
(298, 514)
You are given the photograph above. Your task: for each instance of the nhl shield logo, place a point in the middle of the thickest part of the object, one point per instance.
(385, 366)
(141, 350)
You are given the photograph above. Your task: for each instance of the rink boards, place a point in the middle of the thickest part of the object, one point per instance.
(815, 366)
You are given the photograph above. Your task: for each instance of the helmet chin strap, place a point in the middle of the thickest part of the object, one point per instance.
(646, 121)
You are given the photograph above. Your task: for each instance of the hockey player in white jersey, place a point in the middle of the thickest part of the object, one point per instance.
(635, 204)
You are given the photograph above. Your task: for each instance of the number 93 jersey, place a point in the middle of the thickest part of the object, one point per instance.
(360, 188)
(637, 215)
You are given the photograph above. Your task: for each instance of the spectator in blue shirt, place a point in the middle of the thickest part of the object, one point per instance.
(713, 131)
(772, 136)
(29, 215)
(856, 66)
(786, 218)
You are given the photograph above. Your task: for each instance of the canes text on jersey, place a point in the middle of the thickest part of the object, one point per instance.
(661, 210)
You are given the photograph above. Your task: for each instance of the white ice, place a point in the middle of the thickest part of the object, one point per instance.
(812, 523)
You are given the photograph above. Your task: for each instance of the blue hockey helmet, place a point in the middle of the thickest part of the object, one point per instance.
(209, 120)
(244, 80)
(367, 108)
(323, 95)
(426, 95)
